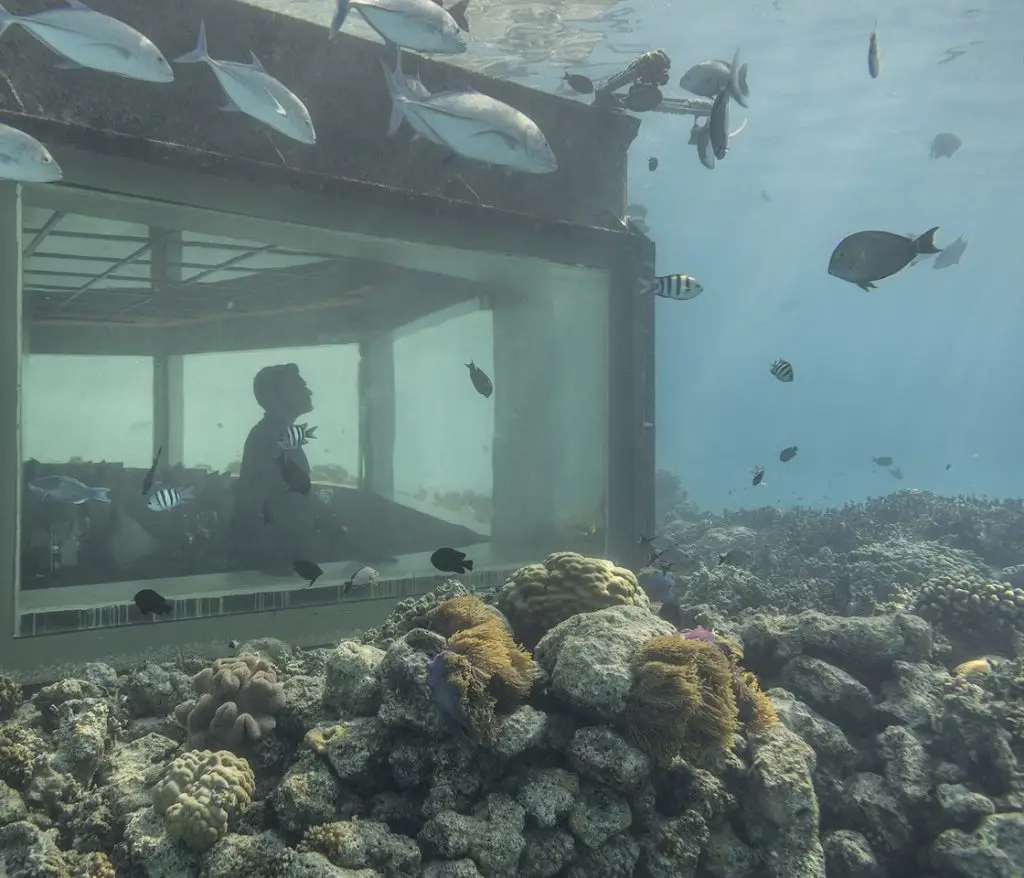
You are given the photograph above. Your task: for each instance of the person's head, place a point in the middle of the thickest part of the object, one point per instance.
(281, 391)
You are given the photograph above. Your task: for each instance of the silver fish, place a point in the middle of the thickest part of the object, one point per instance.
(944, 145)
(865, 257)
(874, 56)
(64, 489)
(163, 499)
(87, 38)
(254, 92)
(718, 125)
(951, 254)
(782, 370)
(677, 286)
(24, 159)
(296, 436)
(421, 25)
(364, 577)
(475, 126)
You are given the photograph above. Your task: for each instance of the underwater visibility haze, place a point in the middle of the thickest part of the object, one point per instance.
(318, 569)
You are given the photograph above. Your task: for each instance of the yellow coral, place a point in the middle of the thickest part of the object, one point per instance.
(200, 793)
(973, 666)
(682, 699)
(490, 671)
(90, 865)
(539, 596)
(318, 738)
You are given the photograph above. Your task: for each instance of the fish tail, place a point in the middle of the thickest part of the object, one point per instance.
(340, 14)
(721, 558)
(468, 565)
(311, 433)
(6, 19)
(100, 494)
(458, 12)
(926, 244)
(199, 54)
(397, 88)
(188, 493)
(742, 78)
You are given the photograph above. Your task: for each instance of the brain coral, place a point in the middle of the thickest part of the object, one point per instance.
(539, 596)
(238, 698)
(200, 793)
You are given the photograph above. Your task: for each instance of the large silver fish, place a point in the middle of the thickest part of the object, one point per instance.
(475, 126)
(422, 25)
(64, 489)
(253, 91)
(865, 257)
(87, 38)
(24, 159)
(409, 88)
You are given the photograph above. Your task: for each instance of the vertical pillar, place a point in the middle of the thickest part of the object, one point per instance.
(11, 306)
(377, 414)
(168, 367)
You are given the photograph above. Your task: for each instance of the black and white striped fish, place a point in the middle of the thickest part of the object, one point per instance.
(782, 370)
(296, 436)
(676, 286)
(163, 499)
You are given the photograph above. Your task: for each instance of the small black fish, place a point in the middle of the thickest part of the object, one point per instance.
(149, 601)
(948, 465)
(758, 476)
(647, 541)
(265, 510)
(579, 83)
(451, 561)
(882, 461)
(308, 570)
(735, 558)
(896, 473)
(484, 386)
(655, 555)
(652, 163)
(297, 481)
(670, 611)
(787, 454)
(782, 370)
(147, 482)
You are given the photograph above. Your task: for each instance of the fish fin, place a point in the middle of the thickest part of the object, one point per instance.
(199, 54)
(188, 493)
(255, 63)
(68, 64)
(458, 12)
(453, 158)
(281, 111)
(311, 433)
(76, 4)
(467, 564)
(734, 80)
(101, 494)
(465, 88)
(866, 286)
(926, 244)
(340, 14)
(6, 19)
(230, 107)
(397, 96)
(743, 80)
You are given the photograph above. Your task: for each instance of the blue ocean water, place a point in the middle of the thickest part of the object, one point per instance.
(927, 368)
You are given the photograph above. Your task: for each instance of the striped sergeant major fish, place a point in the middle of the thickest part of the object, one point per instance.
(296, 436)
(782, 370)
(163, 499)
(676, 286)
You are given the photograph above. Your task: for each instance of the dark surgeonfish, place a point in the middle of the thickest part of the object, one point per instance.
(449, 560)
(951, 254)
(944, 145)
(865, 257)
(481, 381)
(152, 602)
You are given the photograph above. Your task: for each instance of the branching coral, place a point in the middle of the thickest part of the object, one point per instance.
(539, 596)
(238, 700)
(482, 671)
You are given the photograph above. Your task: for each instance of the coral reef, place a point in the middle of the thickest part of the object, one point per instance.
(539, 596)
(844, 700)
(239, 698)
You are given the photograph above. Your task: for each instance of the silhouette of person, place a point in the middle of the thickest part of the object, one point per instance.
(271, 528)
